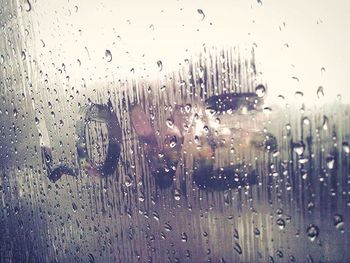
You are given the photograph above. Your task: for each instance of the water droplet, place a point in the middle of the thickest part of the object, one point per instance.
(169, 123)
(303, 160)
(312, 232)
(338, 221)
(108, 55)
(173, 142)
(260, 91)
(91, 258)
(256, 232)
(299, 148)
(298, 95)
(281, 97)
(200, 11)
(177, 195)
(325, 123)
(75, 207)
(36, 119)
(267, 110)
(141, 197)
(160, 65)
(23, 55)
(306, 121)
(279, 253)
(235, 234)
(27, 6)
(320, 92)
(346, 147)
(238, 248)
(275, 153)
(295, 78)
(2, 59)
(155, 215)
(184, 237)
(188, 108)
(281, 223)
(168, 227)
(330, 162)
(304, 174)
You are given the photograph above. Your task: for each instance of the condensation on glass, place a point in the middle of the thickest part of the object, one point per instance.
(103, 159)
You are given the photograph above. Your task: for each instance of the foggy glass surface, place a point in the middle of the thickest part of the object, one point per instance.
(174, 131)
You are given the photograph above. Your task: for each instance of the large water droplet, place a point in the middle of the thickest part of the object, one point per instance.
(168, 227)
(325, 123)
(330, 162)
(188, 108)
(184, 237)
(312, 232)
(299, 148)
(177, 195)
(23, 55)
(338, 221)
(27, 6)
(346, 147)
(156, 215)
(281, 223)
(256, 232)
(170, 123)
(173, 142)
(235, 234)
(260, 91)
(200, 11)
(108, 55)
(238, 248)
(160, 65)
(320, 92)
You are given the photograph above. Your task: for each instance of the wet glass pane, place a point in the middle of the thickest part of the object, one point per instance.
(174, 131)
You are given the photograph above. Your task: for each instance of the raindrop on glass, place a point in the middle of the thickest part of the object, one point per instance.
(108, 55)
(312, 232)
(260, 91)
(184, 237)
(238, 248)
(338, 221)
(346, 147)
(23, 55)
(173, 142)
(299, 148)
(169, 123)
(281, 223)
(200, 11)
(27, 5)
(177, 195)
(330, 162)
(320, 92)
(160, 65)
(325, 123)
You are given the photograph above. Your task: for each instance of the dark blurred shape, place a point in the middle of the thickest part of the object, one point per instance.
(233, 102)
(106, 114)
